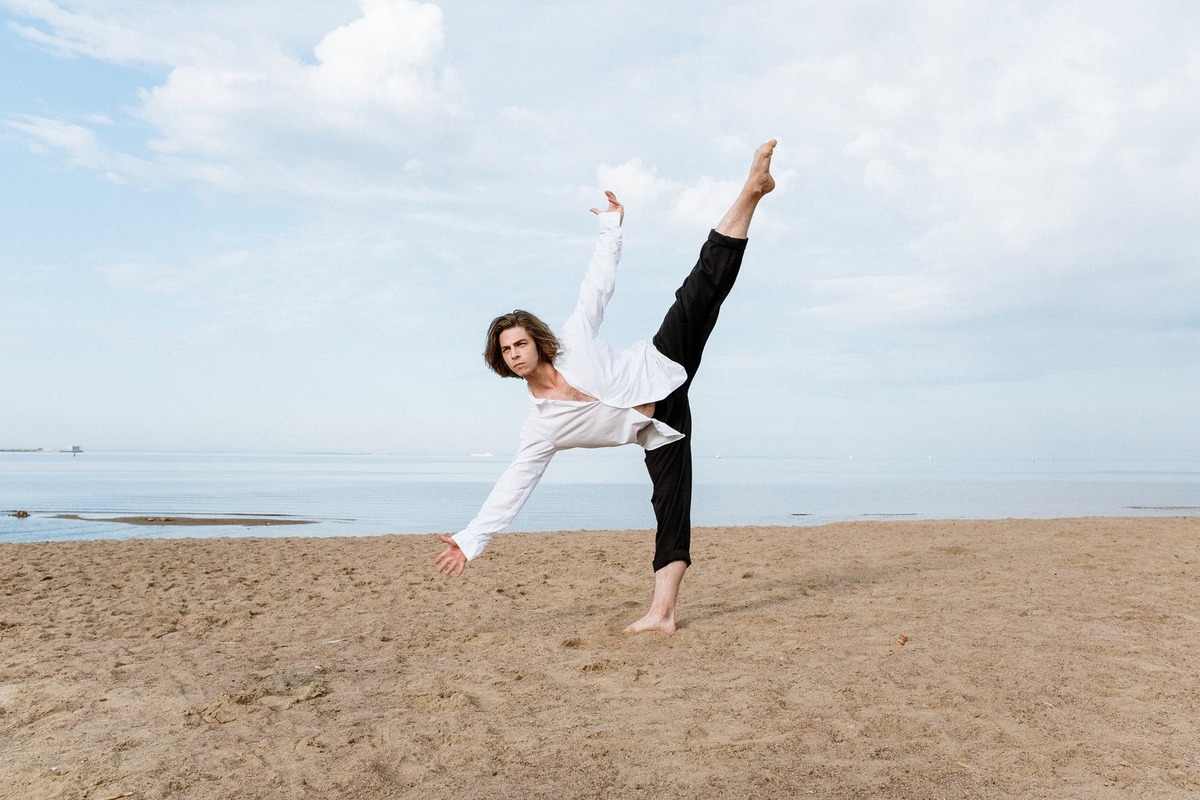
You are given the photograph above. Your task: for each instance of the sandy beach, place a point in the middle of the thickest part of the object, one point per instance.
(955, 659)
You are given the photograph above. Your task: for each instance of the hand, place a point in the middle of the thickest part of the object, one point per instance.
(453, 560)
(613, 205)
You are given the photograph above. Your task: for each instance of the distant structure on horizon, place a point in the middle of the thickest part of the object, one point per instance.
(75, 450)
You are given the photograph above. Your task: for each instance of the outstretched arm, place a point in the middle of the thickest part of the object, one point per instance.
(505, 500)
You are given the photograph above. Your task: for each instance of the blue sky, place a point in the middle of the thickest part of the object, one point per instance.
(263, 226)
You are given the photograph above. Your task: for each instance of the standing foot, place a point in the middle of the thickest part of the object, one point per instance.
(661, 616)
(652, 623)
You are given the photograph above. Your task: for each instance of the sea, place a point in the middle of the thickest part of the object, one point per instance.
(371, 494)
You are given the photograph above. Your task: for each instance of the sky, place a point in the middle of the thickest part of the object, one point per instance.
(263, 226)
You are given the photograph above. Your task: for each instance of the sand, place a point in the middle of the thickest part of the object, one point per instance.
(956, 659)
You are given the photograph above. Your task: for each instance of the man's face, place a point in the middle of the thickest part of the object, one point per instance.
(519, 351)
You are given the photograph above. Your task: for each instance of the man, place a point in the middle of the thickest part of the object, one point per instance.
(586, 395)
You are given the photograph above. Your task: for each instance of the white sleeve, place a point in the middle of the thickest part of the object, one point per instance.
(599, 281)
(509, 494)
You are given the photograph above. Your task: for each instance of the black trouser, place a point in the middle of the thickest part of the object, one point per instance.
(681, 338)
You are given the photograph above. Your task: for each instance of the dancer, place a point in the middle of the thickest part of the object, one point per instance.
(587, 395)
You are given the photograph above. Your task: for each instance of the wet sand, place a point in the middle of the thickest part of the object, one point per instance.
(1026, 658)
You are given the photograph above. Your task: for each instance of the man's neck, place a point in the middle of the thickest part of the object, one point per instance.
(543, 381)
(547, 383)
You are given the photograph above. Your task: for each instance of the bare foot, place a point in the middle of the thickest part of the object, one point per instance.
(661, 616)
(760, 181)
(736, 222)
(652, 623)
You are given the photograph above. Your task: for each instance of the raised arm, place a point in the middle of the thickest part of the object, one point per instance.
(600, 279)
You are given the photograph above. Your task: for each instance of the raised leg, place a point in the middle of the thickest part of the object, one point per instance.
(689, 321)
(682, 337)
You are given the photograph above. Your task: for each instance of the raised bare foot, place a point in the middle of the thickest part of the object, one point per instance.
(760, 181)
(736, 222)
(652, 623)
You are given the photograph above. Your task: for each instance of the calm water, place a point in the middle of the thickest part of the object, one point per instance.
(373, 494)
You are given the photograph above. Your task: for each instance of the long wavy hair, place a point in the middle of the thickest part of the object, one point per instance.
(543, 338)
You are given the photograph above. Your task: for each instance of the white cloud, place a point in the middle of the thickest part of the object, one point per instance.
(80, 148)
(384, 63)
(635, 184)
(370, 52)
(252, 117)
(376, 84)
(705, 202)
(118, 32)
(996, 126)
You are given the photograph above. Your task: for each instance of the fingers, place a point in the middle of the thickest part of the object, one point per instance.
(452, 561)
(613, 203)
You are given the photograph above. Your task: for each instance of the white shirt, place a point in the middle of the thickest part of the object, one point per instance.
(619, 381)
